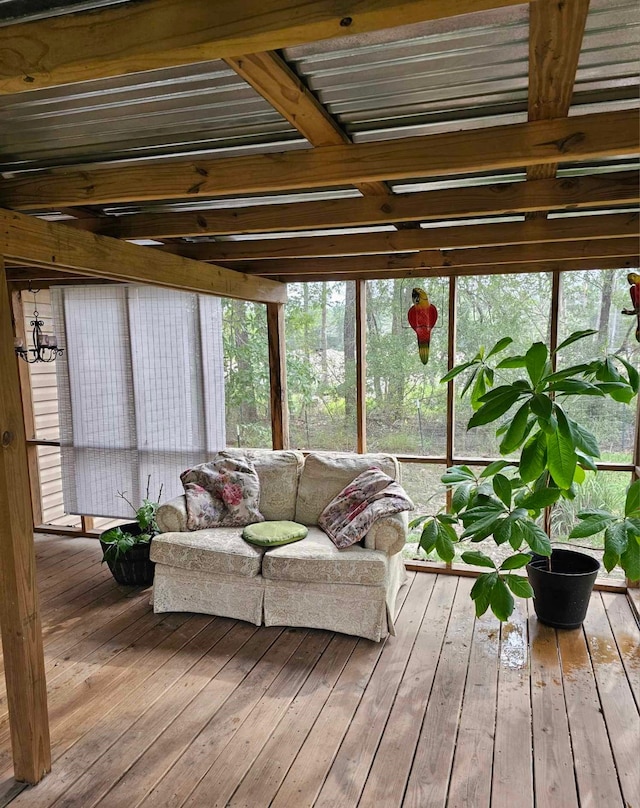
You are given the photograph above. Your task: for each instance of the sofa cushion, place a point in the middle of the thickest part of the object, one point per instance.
(219, 549)
(325, 475)
(273, 534)
(279, 473)
(222, 493)
(316, 559)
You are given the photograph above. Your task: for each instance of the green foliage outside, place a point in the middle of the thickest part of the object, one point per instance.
(406, 404)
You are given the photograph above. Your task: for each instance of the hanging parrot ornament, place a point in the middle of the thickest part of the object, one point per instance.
(422, 317)
(634, 292)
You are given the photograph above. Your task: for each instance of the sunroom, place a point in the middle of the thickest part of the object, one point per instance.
(316, 231)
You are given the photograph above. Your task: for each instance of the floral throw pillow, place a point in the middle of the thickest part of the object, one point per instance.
(222, 493)
(348, 517)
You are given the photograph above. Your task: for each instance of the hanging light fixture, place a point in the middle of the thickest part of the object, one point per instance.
(45, 347)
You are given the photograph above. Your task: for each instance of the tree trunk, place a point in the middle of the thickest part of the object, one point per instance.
(374, 332)
(248, 408)
(350, 350)
(605, 309)
(323, 332)
(396, 374)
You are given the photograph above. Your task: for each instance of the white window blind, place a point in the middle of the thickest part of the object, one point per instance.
(141, 391)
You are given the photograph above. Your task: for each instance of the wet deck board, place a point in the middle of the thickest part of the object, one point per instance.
(192, 710)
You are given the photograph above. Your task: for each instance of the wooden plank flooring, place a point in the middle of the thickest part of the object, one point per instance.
(195, 711)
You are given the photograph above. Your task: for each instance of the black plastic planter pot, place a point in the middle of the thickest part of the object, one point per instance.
(132, 568)
(561, 595)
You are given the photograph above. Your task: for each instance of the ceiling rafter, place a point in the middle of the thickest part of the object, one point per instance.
(276, 82)
(607, 134)
(556, 31)
(25, 240)
(481, 200)
(570, 228)
(163, 33)
(372, 273)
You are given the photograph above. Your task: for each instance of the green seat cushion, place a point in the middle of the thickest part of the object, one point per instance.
(273, 534)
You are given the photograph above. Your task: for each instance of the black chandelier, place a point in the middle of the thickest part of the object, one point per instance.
(45, 347)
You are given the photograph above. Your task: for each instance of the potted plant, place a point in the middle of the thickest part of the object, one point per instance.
(506, 500)
(126, 548)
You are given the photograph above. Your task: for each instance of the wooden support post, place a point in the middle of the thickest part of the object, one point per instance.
(19, 331)
(19, 613)
(451, 395)
(278, 376)
(361, 364)
(635, 475)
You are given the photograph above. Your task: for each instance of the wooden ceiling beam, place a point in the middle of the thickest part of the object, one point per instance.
(276, 82)
(549, 251)
(165, 33)
(556, 30)
(586, 137)
(632, 262)
(34, 242)
(512, 197)
(570, 228)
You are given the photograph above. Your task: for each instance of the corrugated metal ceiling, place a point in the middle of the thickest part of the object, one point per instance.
(459, 73)
(23, 10)
(436, 76)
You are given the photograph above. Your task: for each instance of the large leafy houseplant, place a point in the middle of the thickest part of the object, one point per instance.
(119, 540)
(507, 499)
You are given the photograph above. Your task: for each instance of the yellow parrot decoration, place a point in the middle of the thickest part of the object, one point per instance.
(422, 316)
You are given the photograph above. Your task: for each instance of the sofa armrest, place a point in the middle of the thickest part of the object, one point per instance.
(172, 516)
(388, 534)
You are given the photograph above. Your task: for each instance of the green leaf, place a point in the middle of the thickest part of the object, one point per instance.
(516, 537)
(615, 543)
(455, 371)
(532, 459)
(457, 474)
(469, 381)
(618, 391)
(512, 362)
(479, 389)
(494, 408)
(583, 439)
(590, 526)
(585, 461)
(632, 501)
(520, 587)
(429, 535)
(461, 497)
(445, 543)
(632, 373)
(502, 533)
(515, 562)
(576, 387)
(494, 467)
(541, 406)
(478, 559)
(501, 600)
(575, 337)
(481, 591)
(500, 345)
(630, 561)
(536, 538)
(540, 499)
(502, 487)
(561, 455)
(536, 361)
(516, 431)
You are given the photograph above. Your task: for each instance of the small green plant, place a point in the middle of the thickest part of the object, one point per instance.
(507, 499)
(121, 541)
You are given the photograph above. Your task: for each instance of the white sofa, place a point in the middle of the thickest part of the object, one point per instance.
(308, 583)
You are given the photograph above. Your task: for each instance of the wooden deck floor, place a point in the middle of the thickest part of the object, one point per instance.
(188, 710)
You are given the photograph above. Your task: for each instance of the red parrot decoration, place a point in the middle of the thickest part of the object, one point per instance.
(422, 317)
(634, 292)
